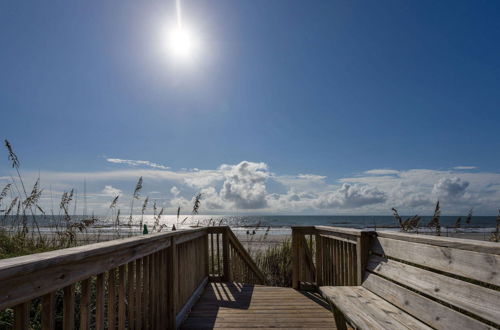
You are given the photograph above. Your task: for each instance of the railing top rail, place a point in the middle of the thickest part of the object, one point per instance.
(33, 262)
(450, 242)
(331, 229)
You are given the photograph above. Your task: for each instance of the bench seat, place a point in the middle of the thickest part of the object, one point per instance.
(367, 310)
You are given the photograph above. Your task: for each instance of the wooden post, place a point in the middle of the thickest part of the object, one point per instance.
(295, 258)
(121, 298)
(206, 253)
(112, 299)
(319, 263)
(172, 284)
(362, 250)
(69, 307)
(99, 310)
(48, 311)
(22, 316)
(85, 305)
(225, 255)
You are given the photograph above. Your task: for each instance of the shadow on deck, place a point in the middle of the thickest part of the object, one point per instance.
(231, 305)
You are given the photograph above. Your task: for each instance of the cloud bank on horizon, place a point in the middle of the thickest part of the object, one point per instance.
(252, 188)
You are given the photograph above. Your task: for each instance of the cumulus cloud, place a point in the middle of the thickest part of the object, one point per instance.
(450, 188)
(135, 163)
(244, 184)
(111, 191)
(351, 196)
(251, 187)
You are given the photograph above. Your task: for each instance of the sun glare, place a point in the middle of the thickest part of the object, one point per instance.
(181, 43)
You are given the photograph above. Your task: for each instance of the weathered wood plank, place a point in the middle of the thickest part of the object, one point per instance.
(69, 307)
(172, 289)
(433, 313)
(475, 299)
(231, 306)
(38, 278)
(22, 316)
(455, 243)
(368, 311)
(48, 311)
(122, 318)
(85, 305)
(112, 299)
(100, 291)
(474, 265)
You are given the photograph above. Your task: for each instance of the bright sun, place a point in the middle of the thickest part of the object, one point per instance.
(181, 42)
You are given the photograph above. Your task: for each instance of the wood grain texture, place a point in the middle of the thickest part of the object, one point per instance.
(69, 307)
(456, 243)
(473, 298)
(48, 311)
(100, 296)
(85, 305)
(431, 312)
(368, 311)
(470, 264)
(235, 305)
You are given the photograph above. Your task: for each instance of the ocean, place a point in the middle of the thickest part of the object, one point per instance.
(273, 221)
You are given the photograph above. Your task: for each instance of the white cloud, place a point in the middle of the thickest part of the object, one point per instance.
(250, 187)
(464, 167)
(111, 191)
(135, 163)
(244, 184)
(450, 188)
(351, 196)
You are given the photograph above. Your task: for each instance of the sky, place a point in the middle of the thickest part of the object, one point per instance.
(283, 107)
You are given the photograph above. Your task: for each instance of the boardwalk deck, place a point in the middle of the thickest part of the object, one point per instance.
(236, 306)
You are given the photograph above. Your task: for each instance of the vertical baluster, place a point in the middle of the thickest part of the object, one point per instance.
(112, 299)
(145, 288)
(48, 311)
(22, 316)
(99, 312)
(206, 254)
(164, 295)
(218, 257)
(152, 292)
(131, 294)
(138, 310)
(319, 261)
(353, 264)
(69, 307)
(172, 284)
(337, 262)
(212, 253)
(121, 298)
(344, 262)
(158, 288)
(85, 305)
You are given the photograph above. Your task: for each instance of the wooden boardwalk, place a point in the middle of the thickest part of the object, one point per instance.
(236, 306)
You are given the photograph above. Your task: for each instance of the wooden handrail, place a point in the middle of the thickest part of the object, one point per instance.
(141, 270)
(233, 240)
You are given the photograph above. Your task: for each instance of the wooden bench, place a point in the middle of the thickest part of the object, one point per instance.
(422, 282)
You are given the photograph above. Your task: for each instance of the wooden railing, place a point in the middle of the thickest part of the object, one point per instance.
(143, 282)
(328, 256)
(229, 261)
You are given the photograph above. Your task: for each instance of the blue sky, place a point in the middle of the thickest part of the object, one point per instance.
(329, 90)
